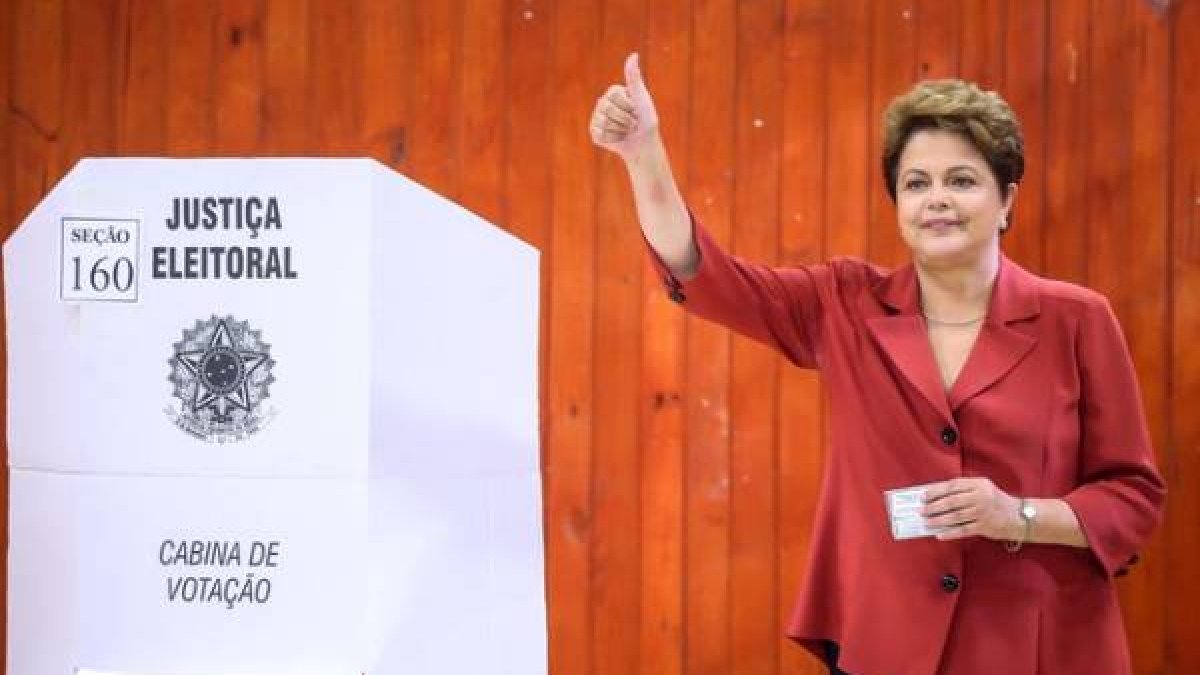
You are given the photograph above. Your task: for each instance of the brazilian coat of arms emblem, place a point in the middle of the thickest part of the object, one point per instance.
(221, 372)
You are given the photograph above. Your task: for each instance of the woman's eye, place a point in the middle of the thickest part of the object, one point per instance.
(914, 184)
(962, 182)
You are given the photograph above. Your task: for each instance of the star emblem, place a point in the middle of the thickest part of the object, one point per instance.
(221, 374)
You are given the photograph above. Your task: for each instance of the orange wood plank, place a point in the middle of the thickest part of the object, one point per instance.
(336, 69)
(481, 108)
(288, 107)
(1065, 228)
(984, 29)
(852, 167)
(32, 117)
(7, 221)
(142, 78)
(666, 60)
(527, 179)
(89, 104)
(30, 156)
(804, 145)
(710, 194)
(238, 118)
(432, 150)
(386, 66)
(1184, 458)
(616, 463)
(569, 37)
(938, 37)
(1111, 257)
(32, 120)
(1147, 261)
(802, 223)
(37, 52)
(191, 62)
(1025, 89)
(893, 52)
(529, 100)
(1107, 152)
(754, 625)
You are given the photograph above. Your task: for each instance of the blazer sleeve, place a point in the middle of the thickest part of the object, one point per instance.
(1120, 498)
(780, 307)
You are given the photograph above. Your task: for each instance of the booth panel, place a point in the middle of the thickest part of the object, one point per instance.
(265, 259)
(44, 552)
(454, 338)
(459, 590)
(189, 575)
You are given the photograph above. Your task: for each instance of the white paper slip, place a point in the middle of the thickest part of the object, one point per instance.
(904, 511)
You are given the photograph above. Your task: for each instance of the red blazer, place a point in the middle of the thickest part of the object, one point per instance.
(1047, 405)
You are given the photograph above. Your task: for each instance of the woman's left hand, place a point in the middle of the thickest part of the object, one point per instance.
(972, 507)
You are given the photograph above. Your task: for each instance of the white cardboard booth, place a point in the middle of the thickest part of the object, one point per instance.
(270, 416)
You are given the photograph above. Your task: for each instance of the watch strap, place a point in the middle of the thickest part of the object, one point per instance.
(1014, 546)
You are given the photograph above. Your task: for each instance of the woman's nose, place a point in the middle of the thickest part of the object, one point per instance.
(937, 198)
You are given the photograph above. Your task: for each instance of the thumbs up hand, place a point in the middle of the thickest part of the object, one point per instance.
(624, 118)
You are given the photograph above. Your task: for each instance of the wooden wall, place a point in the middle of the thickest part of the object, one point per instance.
(680, 464)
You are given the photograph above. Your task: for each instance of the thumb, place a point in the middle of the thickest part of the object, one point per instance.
(634, 82)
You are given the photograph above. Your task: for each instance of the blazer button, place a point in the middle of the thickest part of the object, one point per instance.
(950, 583)
(676, 295)
(949, 436)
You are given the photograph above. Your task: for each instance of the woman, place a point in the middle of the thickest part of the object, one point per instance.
(1008, 403)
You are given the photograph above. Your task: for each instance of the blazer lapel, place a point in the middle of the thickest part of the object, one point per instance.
(997, 350)
(1000, 346)
(901, 335)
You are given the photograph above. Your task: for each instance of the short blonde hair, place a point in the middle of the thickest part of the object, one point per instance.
(981, 117)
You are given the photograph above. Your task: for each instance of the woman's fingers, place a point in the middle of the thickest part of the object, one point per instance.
(610, 123)
(615, 118)
(617, 95)
(624, 115)
(605, 136)
(608, 132)
(957, 517)
(964, 507)
(948, 488)
(616, 106)
(635, 84)
(949, 502)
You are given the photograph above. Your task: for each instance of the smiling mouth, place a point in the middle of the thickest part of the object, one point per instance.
(939, 224)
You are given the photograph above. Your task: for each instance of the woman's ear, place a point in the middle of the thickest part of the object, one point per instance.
(1010, 198)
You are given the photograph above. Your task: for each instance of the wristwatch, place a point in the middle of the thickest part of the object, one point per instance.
(1028, 513)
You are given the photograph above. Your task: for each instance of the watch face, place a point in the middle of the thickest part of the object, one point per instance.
(1028, 512)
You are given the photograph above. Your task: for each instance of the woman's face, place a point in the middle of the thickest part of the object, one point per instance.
(949, 207)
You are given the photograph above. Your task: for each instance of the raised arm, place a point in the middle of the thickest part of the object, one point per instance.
(626, 123)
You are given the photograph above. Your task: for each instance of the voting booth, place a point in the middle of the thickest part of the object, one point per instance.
(270, 416)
